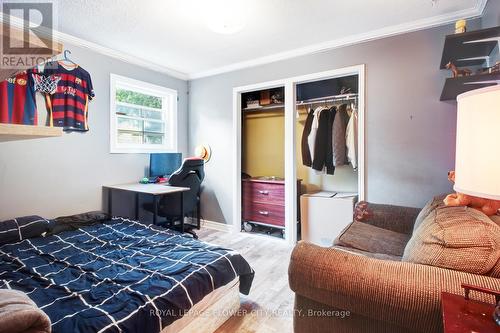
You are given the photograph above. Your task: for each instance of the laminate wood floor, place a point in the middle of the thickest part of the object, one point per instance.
(268, 308)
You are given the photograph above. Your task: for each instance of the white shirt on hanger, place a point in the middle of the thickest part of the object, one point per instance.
(311, 139)
(351, 139)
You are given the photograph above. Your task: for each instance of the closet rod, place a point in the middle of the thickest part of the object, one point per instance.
(328, 99)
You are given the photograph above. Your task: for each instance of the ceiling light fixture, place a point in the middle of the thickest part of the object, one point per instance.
(225, 16)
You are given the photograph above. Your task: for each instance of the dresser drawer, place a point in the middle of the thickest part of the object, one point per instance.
(264, 192)
(264, 213)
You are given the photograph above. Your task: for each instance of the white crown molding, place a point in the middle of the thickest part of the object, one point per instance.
(394, 30)
(122, 56)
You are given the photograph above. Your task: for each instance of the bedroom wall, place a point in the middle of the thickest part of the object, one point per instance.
(263, 141)
(410, 133)
(491, 17)
(58, 176)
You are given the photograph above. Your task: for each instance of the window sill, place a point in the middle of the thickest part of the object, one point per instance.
(140, 151)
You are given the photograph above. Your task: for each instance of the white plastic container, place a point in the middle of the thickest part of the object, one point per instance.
(323, 217)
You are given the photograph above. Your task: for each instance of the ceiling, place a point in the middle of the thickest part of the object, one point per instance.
(176, 34)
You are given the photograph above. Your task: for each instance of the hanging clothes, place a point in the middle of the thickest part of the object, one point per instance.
(352, 140)
(340, 122)
(323, 161)
(17, 99)
(306, 153)
(68, 106)
(311, 138)
(322, 145)
(330, 167)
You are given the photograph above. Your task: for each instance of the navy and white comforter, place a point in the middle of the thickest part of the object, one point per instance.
(118, 276)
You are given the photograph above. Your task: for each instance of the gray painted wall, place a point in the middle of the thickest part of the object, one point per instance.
(58, 176)
(491, 17)
(410, 134)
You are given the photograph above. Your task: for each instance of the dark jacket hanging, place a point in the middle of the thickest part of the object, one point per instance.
(306, 154)
(322, 142)
(338, 136)
(330, 167)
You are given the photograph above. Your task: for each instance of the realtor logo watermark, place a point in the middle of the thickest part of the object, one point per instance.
(27, 36)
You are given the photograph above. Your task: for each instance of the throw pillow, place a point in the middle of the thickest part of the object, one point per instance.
(458, 238)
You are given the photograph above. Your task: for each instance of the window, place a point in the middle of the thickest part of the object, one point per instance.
(143, 117)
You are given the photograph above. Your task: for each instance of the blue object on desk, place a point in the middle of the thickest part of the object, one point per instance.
(164, 164)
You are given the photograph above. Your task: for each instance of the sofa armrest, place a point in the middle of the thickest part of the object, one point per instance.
(401, 293)
(396, 218)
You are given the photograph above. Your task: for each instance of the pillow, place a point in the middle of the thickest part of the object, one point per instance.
(435, 202)
(20, 228)
(369, 238)
(9, 232)
(74, 222)
(458, 238)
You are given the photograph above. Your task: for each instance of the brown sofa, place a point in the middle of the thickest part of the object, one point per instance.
(361, 283)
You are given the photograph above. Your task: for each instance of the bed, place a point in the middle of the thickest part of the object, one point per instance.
(118, 275)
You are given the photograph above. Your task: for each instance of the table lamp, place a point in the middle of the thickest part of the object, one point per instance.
(477, 165)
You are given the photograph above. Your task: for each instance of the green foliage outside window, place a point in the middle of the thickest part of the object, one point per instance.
(132, 97)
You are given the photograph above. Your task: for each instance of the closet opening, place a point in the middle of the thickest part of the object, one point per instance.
(263, 161)
(273, 189)
(327, 155)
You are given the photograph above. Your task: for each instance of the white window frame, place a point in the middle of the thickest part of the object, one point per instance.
(169, 104)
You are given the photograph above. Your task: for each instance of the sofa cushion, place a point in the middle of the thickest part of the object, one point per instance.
(369, 238)
(458, 238)
(430, 206)
(496, 219)
(380, 256)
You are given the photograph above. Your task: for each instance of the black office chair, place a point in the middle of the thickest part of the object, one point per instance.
(190, 174)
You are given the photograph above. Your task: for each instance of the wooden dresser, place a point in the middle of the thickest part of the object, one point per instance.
(263, 201)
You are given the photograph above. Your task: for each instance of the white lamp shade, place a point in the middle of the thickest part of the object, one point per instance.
(477, 165)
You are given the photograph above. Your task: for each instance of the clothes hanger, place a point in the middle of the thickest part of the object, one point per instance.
(67, 59)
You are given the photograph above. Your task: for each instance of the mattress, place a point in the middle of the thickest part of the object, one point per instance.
(119, 275)
(211, 312)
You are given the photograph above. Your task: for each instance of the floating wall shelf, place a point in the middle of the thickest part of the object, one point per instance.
(472, 48)
(455, 86)
(460, 48)
(13, 132)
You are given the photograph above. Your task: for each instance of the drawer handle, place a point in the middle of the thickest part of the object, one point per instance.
(264, 192)
(263, 212)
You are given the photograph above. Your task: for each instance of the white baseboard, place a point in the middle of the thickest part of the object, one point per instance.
(217, 226)
(213, 225)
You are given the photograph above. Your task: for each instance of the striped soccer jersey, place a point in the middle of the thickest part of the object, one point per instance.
(17, 100)
(68, 106)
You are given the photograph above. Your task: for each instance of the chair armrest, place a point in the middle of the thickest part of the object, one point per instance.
(396, 218)
(401, 293)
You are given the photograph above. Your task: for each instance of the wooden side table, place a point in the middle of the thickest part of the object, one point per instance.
(463, 315)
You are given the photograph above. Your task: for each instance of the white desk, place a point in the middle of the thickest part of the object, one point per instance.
(156, 190)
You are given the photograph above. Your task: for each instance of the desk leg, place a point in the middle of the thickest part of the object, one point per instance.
(110, 201)
(182, 212)
(155, 209)
(198, 213)
(137, 206)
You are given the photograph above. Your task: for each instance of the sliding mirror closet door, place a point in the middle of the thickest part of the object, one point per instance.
(263, 161)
